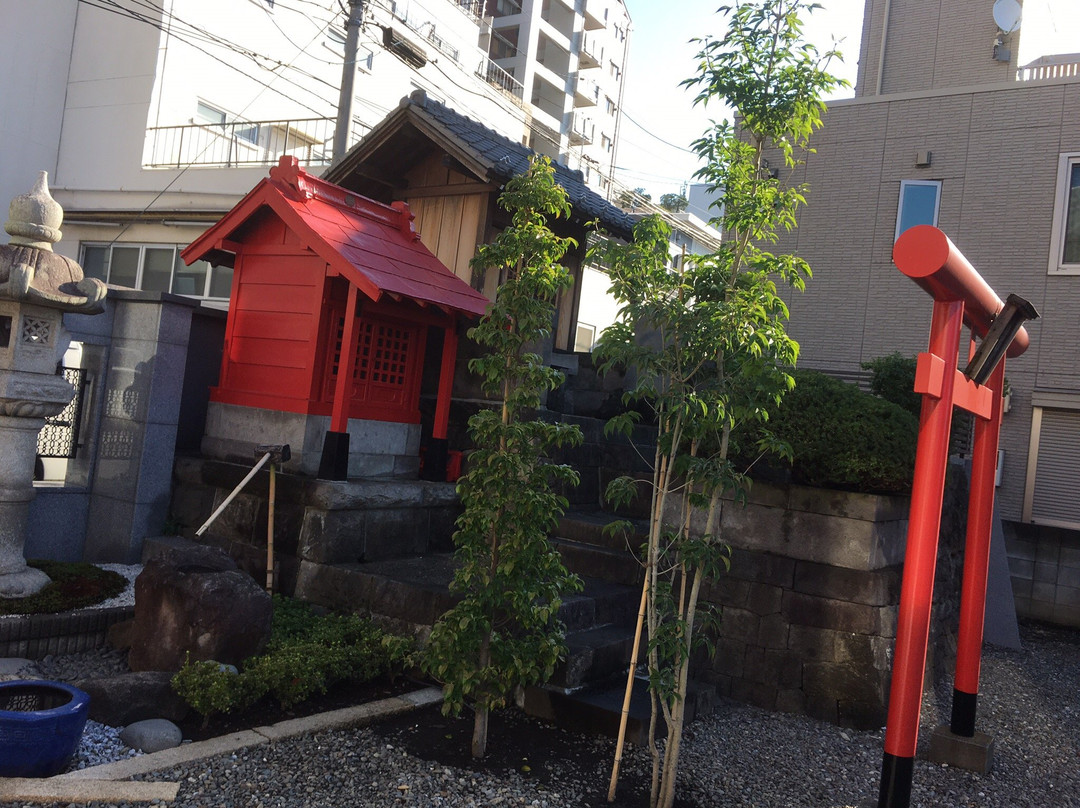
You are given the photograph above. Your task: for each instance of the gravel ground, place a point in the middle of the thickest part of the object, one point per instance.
(740, 756)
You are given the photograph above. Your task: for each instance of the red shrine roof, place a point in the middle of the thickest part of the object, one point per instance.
(370, 244)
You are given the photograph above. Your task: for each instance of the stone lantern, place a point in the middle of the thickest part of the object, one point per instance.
(36, 287)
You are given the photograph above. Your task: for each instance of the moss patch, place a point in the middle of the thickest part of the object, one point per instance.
(74, 586)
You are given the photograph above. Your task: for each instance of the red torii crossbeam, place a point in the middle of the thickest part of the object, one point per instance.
(961, 296)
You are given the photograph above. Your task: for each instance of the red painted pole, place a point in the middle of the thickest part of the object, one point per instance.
(339, 420)
(920, 560)
(976, 561)
(446, 381)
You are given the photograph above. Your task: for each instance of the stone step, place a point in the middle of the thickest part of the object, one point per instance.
(597, 710)
(615, 566)
(587, 527)
(593, 654)
(416, 591)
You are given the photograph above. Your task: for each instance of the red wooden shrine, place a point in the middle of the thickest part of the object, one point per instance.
(325, 279)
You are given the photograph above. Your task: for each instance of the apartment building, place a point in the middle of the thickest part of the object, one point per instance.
(947, 129)
(153, 119)
(567, 58)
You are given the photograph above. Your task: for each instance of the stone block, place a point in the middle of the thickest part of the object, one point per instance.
(764, 599)
(740, 624)
(332, 537)
(812, 643)
(729, 657)
(752, 692)
(108, 531)
(773, 631)
(763, 568)
(861, 715)
(975, 754)
(120, 700)
(394, 533)
(871, 587)
(791, 701)
(838, 615)
(727, 591)
(841, 682)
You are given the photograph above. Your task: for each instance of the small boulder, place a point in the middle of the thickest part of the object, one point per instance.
(121, 700)
(196, 601)
(14, 668)
(118, 635)
(152, 735)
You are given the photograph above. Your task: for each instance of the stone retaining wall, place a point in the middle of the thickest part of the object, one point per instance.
(40, 635)
(809, 607)
(318, 521)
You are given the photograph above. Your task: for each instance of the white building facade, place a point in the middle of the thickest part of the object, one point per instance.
(153, 119)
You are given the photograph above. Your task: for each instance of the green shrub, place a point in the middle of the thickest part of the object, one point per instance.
(892, 378)
(307, 654)
(75, 585)
(843, 438)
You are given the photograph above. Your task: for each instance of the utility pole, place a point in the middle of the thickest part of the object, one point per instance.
(348, 73)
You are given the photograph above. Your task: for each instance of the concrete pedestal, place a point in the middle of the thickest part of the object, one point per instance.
(975, 754)
(18, 440)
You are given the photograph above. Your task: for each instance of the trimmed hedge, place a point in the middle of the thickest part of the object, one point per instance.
(844, 438)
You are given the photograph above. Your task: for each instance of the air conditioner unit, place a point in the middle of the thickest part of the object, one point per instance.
(394, 42)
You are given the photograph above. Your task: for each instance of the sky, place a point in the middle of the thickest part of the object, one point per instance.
(659, 119)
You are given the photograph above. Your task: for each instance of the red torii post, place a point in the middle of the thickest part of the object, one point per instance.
(927, 256)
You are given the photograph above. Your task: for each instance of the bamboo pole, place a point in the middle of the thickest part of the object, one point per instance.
(629, 691)
(270, 533)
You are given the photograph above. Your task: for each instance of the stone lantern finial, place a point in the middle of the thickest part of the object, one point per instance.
(34, 219)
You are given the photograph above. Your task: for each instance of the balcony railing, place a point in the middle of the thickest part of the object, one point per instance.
(1061, 66)
(500, 79)
(243, 143)
(474, 8)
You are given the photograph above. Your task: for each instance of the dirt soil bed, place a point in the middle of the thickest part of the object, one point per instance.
(553, 757)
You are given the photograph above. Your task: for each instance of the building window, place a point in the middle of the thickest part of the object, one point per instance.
(155, 268)
(585, 338)
(1065, 235)
(919, 202)
(210, 114)
(616, 71)
(610, 107)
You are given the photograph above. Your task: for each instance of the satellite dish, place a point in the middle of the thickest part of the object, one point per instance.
(1007, 15)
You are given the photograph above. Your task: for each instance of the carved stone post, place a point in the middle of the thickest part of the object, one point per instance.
(36, 287)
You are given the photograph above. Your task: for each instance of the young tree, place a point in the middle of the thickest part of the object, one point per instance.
(719, 354)
(505, 633)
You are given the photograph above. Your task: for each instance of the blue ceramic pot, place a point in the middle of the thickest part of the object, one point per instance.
(41, 723)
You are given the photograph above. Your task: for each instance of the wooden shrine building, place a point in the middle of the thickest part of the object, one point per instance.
(326, 279)
(450, 170)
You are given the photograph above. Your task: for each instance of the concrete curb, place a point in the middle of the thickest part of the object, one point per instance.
(51, 792)
(100, 782)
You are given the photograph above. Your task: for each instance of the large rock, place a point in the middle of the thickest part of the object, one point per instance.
(196, 601)
(152, 735)
(117, 701)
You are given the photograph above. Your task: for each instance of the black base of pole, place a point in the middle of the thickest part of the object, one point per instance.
(963, 713)
(334, 462)
(895, 781)
(435, 455)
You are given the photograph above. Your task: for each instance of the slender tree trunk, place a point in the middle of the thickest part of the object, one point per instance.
(480, 721)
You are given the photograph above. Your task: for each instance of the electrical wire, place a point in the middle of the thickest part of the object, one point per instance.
(181, 173)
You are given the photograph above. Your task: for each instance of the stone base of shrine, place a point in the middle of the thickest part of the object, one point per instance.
(377, 449)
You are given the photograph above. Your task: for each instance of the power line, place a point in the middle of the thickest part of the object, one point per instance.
(114, 8)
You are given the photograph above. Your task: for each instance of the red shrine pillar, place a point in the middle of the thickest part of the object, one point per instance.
(436, 453)
(334, 463)
(960, 295)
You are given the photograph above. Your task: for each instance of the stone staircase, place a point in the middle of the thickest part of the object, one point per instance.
(410, 593)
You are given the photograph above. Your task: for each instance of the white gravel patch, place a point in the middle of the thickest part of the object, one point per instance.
(125, 598)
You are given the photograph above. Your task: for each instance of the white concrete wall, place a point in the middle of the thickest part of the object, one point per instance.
(34, 60)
